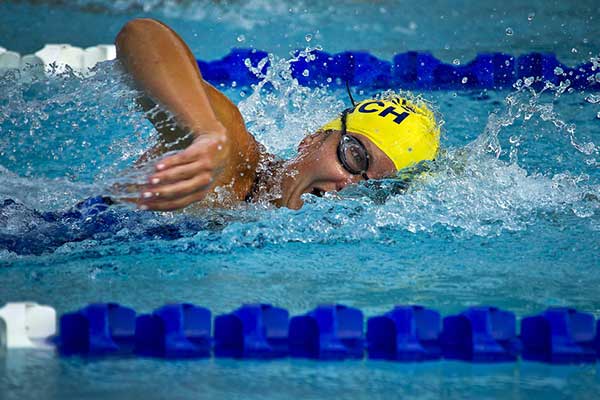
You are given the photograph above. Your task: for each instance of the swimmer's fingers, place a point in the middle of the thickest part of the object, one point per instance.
(170, 205)
(177, 190)
(204, 147)
(179, 173)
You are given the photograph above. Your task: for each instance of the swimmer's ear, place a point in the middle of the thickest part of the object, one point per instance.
(309, 140)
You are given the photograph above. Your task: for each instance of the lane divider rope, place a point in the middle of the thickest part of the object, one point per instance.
(410, 70)
(329, 332)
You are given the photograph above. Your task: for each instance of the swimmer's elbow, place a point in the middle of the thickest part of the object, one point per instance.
(136, 30)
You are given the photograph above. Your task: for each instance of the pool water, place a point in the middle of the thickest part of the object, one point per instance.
(509, 215)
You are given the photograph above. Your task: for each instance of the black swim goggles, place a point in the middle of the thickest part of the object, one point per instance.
(351, 152)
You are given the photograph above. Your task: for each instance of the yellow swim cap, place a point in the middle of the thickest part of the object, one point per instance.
(405, 132)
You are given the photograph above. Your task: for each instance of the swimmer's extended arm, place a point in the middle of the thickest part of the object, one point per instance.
(165, 69)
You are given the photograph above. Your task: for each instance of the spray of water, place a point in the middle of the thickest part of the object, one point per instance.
(67, 137)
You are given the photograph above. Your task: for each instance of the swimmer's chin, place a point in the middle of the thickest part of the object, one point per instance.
(295, 203)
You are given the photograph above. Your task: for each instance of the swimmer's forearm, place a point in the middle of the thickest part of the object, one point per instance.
(163, 66)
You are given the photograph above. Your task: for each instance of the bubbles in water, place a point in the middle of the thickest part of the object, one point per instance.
(456, 61)
(592, 98)
(464, 80)
(308, 37)
(305, 72)
(241, 38)
(573, 50)
(509, 31)
(530, 16)
(558, 71)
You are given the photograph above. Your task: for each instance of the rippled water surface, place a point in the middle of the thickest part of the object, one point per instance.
(509, 215)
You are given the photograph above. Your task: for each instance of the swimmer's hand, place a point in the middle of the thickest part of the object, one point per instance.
(188, 176)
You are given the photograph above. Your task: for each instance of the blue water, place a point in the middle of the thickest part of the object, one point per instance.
(510, 215)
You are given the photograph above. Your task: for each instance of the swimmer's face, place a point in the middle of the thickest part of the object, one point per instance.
(318, 169)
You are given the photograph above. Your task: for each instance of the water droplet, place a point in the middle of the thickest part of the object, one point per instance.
(464, 80)
(592, 98)
(241, 38)
(308, 37)
(530, 16)
(305, 72)
(509, 31)
(456, 61)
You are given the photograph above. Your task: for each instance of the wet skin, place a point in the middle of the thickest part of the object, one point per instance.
(221, 152)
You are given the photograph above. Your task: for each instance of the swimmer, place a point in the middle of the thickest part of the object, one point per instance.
(374, 139)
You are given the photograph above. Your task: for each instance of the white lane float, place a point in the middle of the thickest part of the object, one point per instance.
(27, 325)
(9, 59)
(56, 58)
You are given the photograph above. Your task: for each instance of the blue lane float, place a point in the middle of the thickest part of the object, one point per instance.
(406, 333)
(331, 332)
(481, 334)
(410, 70)
(174, 331)
(560, 335)
(252, 331)
(98, 329)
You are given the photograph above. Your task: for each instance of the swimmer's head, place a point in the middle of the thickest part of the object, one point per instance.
(373, 140)
(407, 133)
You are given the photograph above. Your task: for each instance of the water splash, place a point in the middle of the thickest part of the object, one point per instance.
(482, 188)
(276, 110)
(525, 105)
(69, 129)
